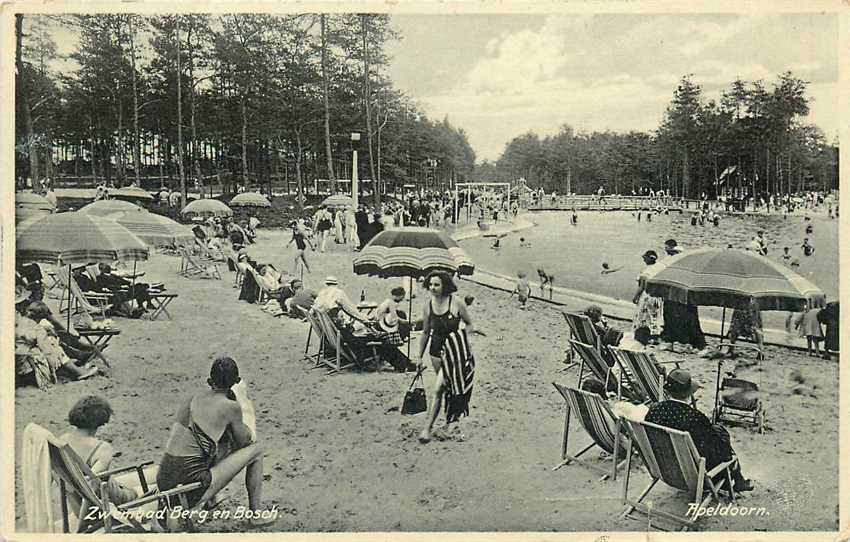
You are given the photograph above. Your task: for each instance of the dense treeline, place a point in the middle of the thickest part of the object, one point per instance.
(242, 98)
(755, 135)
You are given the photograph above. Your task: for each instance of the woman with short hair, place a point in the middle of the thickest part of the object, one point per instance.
(88, 415)
(441, 322)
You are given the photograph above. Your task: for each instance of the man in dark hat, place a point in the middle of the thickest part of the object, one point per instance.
(712, 441)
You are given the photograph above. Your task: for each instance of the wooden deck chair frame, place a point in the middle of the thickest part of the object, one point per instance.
(595, 416)
(581, 330)
(264, 294)
(672, 457)
(75, 477)
(91, 303)
(646, 380)
(333, 344)
(237, 279)
(193, 266)
(593, 360)
(314, 329)
(333, 352)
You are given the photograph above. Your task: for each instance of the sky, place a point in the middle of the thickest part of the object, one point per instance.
(500, 76)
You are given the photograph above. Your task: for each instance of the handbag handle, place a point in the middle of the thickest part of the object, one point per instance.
(417, 376)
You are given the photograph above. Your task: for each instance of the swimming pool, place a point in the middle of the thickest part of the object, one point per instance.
(575, 254)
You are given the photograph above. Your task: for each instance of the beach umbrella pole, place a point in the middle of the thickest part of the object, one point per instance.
(410, 315)
(719, 368)
(69, 298)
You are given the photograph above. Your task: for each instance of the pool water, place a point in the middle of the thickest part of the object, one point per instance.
(575, 254)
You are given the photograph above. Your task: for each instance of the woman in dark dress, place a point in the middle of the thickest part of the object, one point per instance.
(828, 316)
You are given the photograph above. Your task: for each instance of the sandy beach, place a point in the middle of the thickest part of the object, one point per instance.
(340, 457)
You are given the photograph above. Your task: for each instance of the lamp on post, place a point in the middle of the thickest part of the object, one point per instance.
(355, 139)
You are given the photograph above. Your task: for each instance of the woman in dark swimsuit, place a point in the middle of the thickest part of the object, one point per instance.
(301, 242)
(201, 425)
(442, 316)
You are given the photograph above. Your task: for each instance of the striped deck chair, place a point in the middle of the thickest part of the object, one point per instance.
(594, 414)
(592, 359)
(191, 265)
(581, 330)
(314, 329)
(86, 492)
(672, 457)
(90, 303)
(644, 373)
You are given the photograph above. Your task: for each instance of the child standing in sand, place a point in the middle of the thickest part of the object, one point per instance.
(522, 290)
(807, 323)
(545, 280)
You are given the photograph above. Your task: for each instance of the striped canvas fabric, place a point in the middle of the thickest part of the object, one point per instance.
(728, 278)
(595, 416)
(69, 238)
(405, 252)
(458, 369)
(669, 455)
(642, 373)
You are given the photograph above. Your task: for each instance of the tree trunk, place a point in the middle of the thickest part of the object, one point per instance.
(325, 92)
(367, 99)
(298, 180)
(180, 122)
(137, 166)
(244, 108)
(196, 163)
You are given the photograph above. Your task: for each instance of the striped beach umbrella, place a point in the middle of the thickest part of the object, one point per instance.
(412, 252)
(730, 278)
(153, 229)
(103, 207)
(207, 207)
(33, 201)
(131, 193)
(30, 204)
(250, 199)
(338, 200)
(70, 238)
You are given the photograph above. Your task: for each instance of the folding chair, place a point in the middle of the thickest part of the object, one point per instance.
(334, 350)
(314, 329)
(672, 457)
(161, 301)
(240, 269)
(82, 487)
(592, 359)
(193, 266)
(91, 303)
(594, 414)
(644, 373)
(581, 330)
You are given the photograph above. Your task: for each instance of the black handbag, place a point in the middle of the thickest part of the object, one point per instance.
(414, 398)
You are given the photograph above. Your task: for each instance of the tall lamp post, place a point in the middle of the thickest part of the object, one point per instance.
(355, 191)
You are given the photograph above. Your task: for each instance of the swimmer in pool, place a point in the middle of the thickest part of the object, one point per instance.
(606, 269)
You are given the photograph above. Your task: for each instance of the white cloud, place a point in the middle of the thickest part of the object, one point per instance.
(619, 72)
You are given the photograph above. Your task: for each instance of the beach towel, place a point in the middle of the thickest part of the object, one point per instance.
(249, 417)
(458, 370)
(35, 479)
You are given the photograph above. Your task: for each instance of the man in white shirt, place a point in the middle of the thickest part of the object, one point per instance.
(336, 303)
